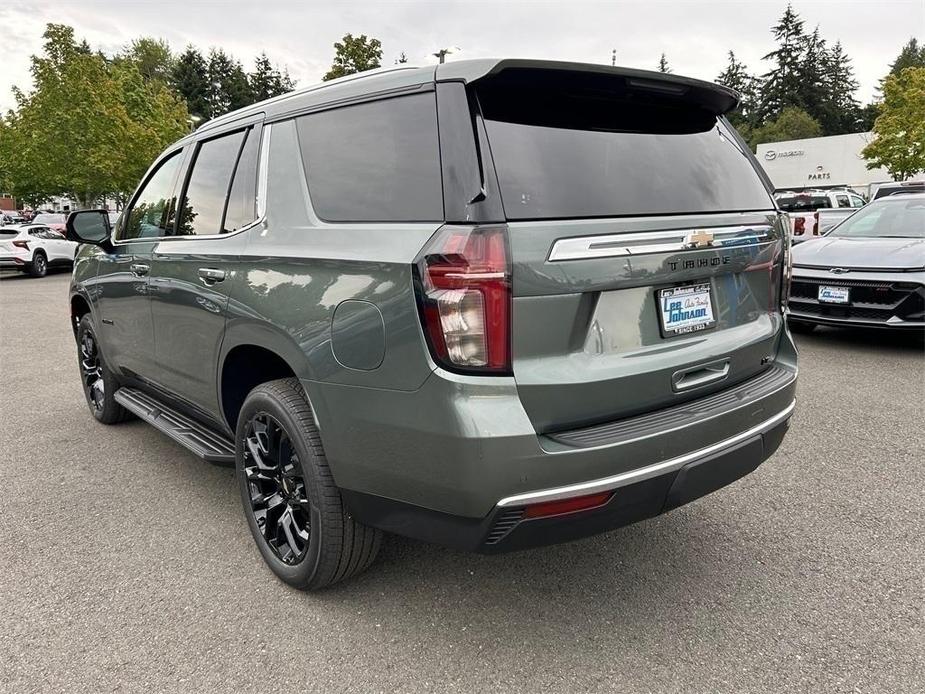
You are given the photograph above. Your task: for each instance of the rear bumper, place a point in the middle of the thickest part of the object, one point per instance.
(447, 461)
(638, 495)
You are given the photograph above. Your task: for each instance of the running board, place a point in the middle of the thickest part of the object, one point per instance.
(209, 445)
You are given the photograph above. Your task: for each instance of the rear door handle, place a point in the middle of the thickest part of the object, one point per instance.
(140, 269)
(210, 275)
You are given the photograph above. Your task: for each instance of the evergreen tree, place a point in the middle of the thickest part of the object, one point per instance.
(812, 90)
(191, 80)
(737, 77)
(842, 110)
(911, 55)
(663, 64)
(782, 84)
(228, 86)
(266, 81)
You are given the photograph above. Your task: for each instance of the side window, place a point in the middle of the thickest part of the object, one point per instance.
(374, 162)
(242, 200)
(856, 201)
(207, 186)
(842, 201)
(152, 214)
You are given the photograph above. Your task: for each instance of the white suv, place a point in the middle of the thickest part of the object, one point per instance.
(33, 248)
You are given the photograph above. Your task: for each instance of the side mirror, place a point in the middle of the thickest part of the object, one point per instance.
(88, 226)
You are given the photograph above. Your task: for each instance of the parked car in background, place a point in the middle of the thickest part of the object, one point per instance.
(33, 248)
(409, 301)
(812, 212)
(886, 189)
(55, 220)
(11, 217)
(867, 271)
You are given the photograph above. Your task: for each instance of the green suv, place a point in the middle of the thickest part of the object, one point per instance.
(492, 304)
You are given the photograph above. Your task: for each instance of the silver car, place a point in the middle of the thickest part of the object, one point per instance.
(867, 271)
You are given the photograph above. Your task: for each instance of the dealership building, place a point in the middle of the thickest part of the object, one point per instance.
(821, 162)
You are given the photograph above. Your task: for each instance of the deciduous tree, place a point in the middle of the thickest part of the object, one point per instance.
(899, 146)
(354, 54)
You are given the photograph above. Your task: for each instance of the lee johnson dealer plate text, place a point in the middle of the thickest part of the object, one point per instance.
(685, 310)
(833, 295)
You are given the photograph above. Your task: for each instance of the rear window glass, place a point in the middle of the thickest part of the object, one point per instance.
(804, 203)
(207, 190)
(584, 146)
(8, 232)
(378, 161)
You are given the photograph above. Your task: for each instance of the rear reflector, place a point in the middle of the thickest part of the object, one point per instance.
(573, 505)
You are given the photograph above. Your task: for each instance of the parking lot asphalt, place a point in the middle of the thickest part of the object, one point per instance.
(126, 564)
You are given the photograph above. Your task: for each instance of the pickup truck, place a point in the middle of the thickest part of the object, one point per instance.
(813, 212)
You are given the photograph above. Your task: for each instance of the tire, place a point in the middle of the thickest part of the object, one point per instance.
(294, 509)
(39, 265)
(98, 382)
(797, 326)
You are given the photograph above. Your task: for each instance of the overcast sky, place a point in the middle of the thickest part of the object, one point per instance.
(694, 35)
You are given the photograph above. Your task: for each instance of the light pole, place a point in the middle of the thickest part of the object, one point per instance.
(444, 52)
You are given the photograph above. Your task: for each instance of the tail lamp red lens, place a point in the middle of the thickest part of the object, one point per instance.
(465, 295)
(815, 223)
(21, 244)
(562, 506)
(799, 226)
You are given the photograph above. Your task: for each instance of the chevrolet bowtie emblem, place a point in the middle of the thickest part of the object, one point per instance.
(699, 239)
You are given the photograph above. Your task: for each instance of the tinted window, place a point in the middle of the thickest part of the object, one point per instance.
(242, 201)
(152, 213)
(803, 203)
(842, 201)
(580, 145)
(207, 188)
(856, 202)
(377, 161)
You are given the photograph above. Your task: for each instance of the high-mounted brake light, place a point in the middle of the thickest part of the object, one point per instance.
(464, 290)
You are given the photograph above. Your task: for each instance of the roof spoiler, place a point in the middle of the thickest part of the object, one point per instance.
(714, 98)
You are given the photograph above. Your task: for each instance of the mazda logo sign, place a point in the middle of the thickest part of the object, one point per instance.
(770, 155)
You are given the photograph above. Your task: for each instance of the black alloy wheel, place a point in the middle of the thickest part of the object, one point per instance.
(39, 266)
(278, 499)
(91, 371)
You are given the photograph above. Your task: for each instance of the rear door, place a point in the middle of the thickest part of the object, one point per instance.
(193, 270)
(646, 249)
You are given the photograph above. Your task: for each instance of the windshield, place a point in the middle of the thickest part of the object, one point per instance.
(48, 219)
(891, 218)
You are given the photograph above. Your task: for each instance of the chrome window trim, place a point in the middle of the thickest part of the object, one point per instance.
(641, 243)
(262, 172)
(640, 474)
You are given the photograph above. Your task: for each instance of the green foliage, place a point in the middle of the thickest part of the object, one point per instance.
(354, 54)
(783, 85)
(152, 57)
(663, 64)
(89, 128)
(791, 124)
(191, 80)
(911, 55)
(737, 77)
(266, 81)
(899, 146)
(229, 89)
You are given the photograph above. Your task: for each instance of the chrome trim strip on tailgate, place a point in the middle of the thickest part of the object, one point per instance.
(626, 478)
(642, 243)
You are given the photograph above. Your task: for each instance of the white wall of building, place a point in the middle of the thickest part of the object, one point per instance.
(821, 162)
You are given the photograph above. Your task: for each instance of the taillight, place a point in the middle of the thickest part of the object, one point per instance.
(464, 291)
(21, 244)
(815, 224)
(786, 265)
(799, 226)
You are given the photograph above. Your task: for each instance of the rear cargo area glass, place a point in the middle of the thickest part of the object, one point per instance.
(576, 146)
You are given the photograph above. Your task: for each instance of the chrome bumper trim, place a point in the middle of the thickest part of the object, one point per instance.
(643, 473)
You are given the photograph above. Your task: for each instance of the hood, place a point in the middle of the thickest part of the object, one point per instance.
(861, 253)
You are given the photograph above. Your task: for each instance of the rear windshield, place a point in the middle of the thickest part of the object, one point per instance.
(581, 145)
(49, 219)
(803, 203)
(8, 232)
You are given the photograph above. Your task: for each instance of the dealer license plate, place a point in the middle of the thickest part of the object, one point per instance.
(833, 295)
(685, 309)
